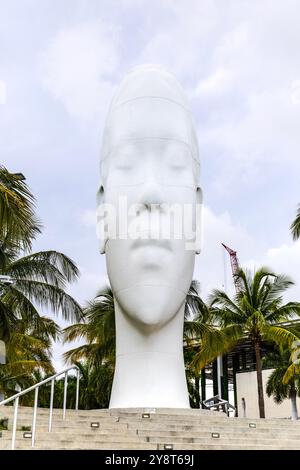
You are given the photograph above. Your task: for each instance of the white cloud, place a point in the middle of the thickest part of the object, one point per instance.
(242, 76)
(284, 259)
(90, 282)
(295, 92)
(250, 101)
(2, 92)
(243, 73)
(88, 218)
(216, 83)
(180, 34)
(78, 66)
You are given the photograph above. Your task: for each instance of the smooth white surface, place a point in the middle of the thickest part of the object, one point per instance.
(150, 156)
(247, 388)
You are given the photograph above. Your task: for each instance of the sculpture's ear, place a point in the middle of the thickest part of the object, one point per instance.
(101, 233)
(199, 201)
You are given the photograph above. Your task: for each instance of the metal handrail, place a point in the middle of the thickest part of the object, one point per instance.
(217, 402)
(15, 399)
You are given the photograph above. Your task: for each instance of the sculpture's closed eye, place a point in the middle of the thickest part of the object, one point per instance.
(177, 165)
(125, 162)
(124, 166)
(176, 156)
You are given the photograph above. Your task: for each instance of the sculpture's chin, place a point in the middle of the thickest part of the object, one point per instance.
(150, 307)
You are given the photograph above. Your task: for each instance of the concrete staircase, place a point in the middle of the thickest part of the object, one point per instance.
(153, 429)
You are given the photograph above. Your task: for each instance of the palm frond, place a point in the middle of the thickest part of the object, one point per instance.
(295, 227)
(279, 335)
(50, 296)
(17, 219)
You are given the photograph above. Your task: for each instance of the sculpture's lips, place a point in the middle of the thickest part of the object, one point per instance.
(152, 242)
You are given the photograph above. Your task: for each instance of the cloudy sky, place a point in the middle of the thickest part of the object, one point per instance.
(239, 62)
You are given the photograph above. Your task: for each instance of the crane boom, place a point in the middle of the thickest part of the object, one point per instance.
(234, 267)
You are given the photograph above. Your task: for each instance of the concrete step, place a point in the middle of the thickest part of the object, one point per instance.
(69, 444)
(127, 411)
(219, 446)
(159, 432)
(138, 420)
(81, 417)
(112, 416)
(158, 438)
(141, 427)
(127, 429)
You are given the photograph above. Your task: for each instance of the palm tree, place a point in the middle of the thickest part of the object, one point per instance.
(18, 222)
(202, 329)
(284, 381)
(255, 312)
(27, 285)
(28, 354)
(204, 341)
(97, 329)
(97, 354)
(295, 227)
(39, 280)
(94, 392)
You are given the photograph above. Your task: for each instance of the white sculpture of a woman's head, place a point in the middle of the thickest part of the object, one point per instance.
(149, 175)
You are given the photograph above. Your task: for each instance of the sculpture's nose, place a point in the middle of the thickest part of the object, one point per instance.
(151, 191)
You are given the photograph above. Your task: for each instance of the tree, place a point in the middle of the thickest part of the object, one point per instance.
(28, 355)
(29, 282)
(39, 280)
(18, 222)
(295, 227)
(35, 279)
(93, 394)
(204, 341)
(255, 313)
(97, 329)
(284, 381)
(96, 357)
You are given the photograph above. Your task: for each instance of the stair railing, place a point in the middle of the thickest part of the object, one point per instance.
(217, 403)
(15, 400)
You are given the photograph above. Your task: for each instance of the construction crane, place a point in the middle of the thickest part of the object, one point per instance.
(234, 268)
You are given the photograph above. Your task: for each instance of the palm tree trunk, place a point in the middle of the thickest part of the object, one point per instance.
(261, 403)
(293, 397)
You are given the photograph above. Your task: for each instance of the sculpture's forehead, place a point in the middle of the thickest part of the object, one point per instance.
(148, 118)
(149, 81)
